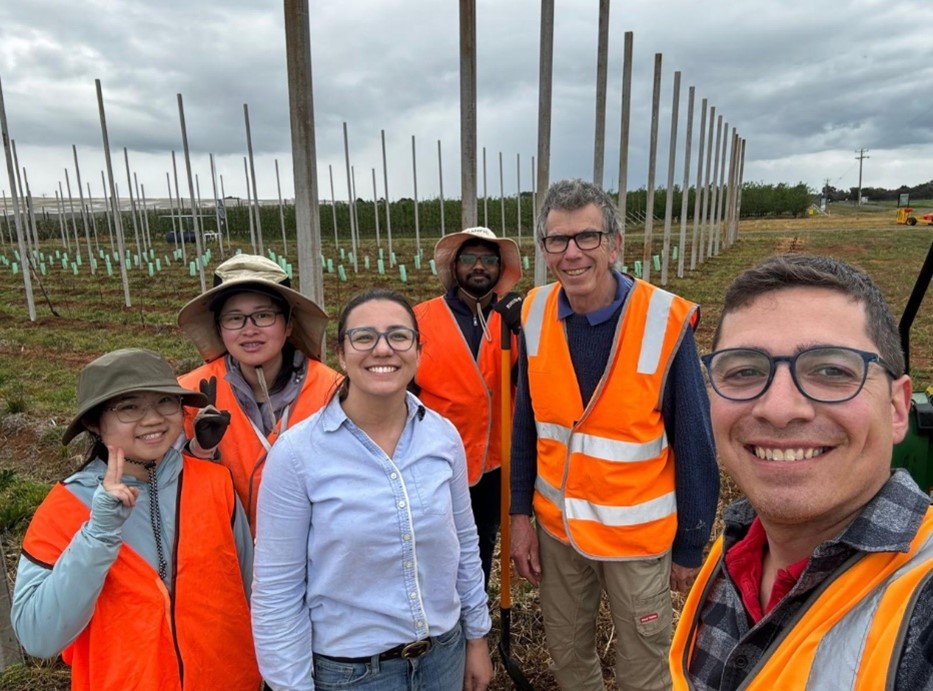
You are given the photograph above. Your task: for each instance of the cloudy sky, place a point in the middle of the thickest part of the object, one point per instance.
(807, 84)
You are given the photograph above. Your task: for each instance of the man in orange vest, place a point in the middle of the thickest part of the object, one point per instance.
(612, 448)
(822, 577)
(461, 358)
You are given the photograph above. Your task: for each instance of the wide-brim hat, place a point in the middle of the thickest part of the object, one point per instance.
(121, 372)
(246, 273)
(448, 247)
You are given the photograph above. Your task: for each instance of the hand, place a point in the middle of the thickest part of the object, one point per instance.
(208, 387)
(510, 307)
(683, 577)
(210, 425)
(524, 549)
(113, 478)
(477, 672)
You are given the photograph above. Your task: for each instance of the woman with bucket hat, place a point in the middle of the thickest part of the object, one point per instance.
(261, 342)
(115, 561)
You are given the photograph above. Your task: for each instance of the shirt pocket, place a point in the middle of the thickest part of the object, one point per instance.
(431, 477)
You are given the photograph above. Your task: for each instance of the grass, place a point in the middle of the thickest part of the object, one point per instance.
(39, 360)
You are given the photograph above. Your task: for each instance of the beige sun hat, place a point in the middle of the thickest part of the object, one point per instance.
(121, 372)
(448, 247)
(252, 273)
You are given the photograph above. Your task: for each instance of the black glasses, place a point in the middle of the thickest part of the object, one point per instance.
(134, 411)
(236, 321)
(366, 338)
(468, 259)
(585, 240)
(825, 374)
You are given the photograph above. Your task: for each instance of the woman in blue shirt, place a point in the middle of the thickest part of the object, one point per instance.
(367, 570)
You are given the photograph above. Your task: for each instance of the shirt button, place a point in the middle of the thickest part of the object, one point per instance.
(412, 596)
(741, 662)
(401, 505)
(406, 537)
(408, 564)
(394, 476)
(420, 624)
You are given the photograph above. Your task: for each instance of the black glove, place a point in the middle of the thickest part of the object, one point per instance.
(510, 307)
(210, 425)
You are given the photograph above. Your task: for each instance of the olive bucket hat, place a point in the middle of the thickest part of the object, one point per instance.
(252, 273)
(121, 372)
(448, 248)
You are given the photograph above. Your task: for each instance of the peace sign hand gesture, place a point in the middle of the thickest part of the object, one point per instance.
(113, 500)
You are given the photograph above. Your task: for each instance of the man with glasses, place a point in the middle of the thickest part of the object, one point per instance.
(612, 448)
(821, 578)
(461, 361)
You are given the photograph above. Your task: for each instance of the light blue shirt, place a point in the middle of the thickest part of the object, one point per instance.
(357, 552)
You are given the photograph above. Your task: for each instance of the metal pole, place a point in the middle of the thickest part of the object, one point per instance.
(278, 189)
(624, 137)
(252, 176)
(518, 195)
(685, 189)
(195, 209)
(333, 205)
(385, 184)
(669, 193)
(696, 246)
(376, 209)
(414, 177)
(502, 195)
(217, 206)
(485, 194)
(350, 198)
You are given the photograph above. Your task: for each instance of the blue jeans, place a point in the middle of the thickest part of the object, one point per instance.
(440, 669)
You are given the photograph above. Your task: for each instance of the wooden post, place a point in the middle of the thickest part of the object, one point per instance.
(304, 149)
(467, 118)
(652, 162)
(114, 200)
(669, 194)
(440, 180)
(181, 222)
(278, 188)
(501, 197)
(545, 73)
(252, 176)
(84, 214)
(624, 138)
(10, 652)
(414, 177)
(697, 243)
(685, 190)
(704, 225)
(385, 183)
(195, 207)
(602, 53)
(376, 209)
(350, 197)
(333, 206)
(217, 207)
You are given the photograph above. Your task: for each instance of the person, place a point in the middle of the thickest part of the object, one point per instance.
(367, 572)
(261, 344)
(612, 448)
(461, 359)
(822, 576)
(114, 563)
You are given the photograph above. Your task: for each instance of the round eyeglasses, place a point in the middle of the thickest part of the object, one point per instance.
(585, 240)
(825, 374)
(134, 411)
(365, 338)
(236, 321)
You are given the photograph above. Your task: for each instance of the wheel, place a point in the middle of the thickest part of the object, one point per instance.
(911, 220)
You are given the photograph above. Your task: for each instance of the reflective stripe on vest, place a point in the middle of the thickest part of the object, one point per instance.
(849, 637)
(141, 637)
(465, 390)
(243, 448)
(618, 437)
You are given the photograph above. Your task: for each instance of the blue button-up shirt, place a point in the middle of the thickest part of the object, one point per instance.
(357, 552)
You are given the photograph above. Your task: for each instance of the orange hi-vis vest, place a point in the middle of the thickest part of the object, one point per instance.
(243, 448)
(851, 635)
(141, 637)
(605, 481)
(465, 390)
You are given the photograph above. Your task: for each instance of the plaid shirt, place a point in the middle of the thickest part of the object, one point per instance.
(728, 649)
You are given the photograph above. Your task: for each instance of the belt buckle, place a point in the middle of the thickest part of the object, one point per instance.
(416, 649)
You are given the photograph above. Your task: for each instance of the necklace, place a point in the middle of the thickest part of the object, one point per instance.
(154, 515)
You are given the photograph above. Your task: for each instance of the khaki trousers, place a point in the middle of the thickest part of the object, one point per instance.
(639, 601)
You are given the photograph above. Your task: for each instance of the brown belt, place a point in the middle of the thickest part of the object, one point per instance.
(404, 651)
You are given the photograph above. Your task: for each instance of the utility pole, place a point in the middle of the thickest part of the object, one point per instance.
(860, 158)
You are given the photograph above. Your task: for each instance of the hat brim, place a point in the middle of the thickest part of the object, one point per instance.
(309, 321)
(191, 398)
(510, 269)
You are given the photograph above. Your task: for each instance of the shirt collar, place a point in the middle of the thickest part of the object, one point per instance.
(333, 416)
(623, 285)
